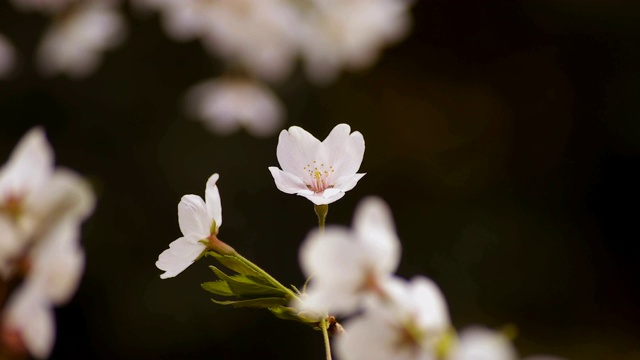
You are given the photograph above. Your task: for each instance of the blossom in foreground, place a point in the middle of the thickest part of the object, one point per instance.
(345, 265)
(7, 57)
(199, 220)
(35, 196)
(320, 171)
(350, 34)
(75, 43)
(406, 326)
(226, 104)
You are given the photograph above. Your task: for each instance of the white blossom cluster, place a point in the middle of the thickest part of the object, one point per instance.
(41, 259)
(350, 271)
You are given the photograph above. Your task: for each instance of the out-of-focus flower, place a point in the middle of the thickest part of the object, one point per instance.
(261, 35)
(75, 42)
(350, 34)
(41, 208)
(7, 57)
(320, 171)
(226, 104)
(46, 6)
(198, 220)
(408, 326)
(34, 196)
(344, 265)
(478, 343)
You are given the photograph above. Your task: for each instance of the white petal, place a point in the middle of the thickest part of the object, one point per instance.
(320, 199)
(296, 149)
(343, 150)
(374, 227)
(193, 217)
(58, 262)
(212, 196)
(66, 194)
(180, 254)
(29, 166)
(478, 343)
(28, 313)
(288, 182)
(330, 255)
(348, 182)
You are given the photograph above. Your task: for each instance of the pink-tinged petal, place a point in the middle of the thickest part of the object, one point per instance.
(343, 150)
(296, 149)
(193, 217)
(375, 229)
(180, 254)
(288, 182)
(348, 182)
(331, 256)
(212, 196)
(29, 166)
(28, 313)
(320, 199)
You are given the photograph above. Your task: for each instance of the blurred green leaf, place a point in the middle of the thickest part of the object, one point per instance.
(219, 287)
(265, 302)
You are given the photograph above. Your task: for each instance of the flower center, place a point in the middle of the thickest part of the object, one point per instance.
(319, 176)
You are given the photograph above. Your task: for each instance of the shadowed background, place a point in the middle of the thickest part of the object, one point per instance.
(504, 135)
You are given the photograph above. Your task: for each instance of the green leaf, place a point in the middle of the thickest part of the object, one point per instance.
(219, 287)
(234, 263)
(243, 286)
(289, 313)
(265, 302)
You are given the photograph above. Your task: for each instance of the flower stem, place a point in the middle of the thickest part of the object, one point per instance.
(321, 212)
(266, 275)
(325, 335)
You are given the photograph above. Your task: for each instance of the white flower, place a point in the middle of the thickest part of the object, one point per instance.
(344, 265)
(35, 196)
(258, 34)
(320, 171)
(198, 220)
(75, 43)
(478, 343)
(7, 57)
(29, 316)
(350, 34)
(226, 104)
(407, 326)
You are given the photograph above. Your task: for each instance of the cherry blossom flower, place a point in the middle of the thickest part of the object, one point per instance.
(226, 104)
(344, 265)
(350, 34)
(320, 171)
(199, 220)
(74, 44)
(7, 57)
(407, 326)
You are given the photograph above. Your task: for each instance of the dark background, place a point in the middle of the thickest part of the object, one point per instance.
(503, 134)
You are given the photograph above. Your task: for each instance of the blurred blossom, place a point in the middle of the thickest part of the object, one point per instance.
(228, 103)
(7, 57)
(75, 42)
(350, 34)
(259, 35)
(198, 220)
(408, 326)
(478, 343)
(46, 6)
(41, 209)
(345, 266)
(320, 171)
